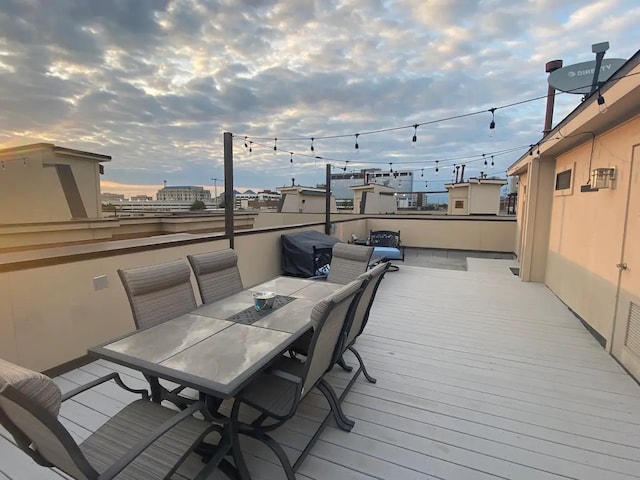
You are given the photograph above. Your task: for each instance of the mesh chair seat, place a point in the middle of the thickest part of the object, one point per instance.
(130, 426)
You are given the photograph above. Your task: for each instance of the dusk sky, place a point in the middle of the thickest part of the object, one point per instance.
(154, 84)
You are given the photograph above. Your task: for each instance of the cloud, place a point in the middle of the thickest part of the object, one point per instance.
(155, 83)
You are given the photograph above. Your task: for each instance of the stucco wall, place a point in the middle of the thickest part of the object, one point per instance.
(484, 198)
(458, 193)
(30, 192)
(586, 232)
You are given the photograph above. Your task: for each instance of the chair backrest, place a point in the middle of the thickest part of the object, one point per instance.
(29, 405)
(330, 318)
(373, 278)
(384, 238)
(158, 293)
(348, 261)
(217, 274)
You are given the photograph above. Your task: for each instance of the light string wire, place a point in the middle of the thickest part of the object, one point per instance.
(491, 110)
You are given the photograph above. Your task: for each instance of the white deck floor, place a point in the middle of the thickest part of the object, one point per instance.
(479, 376)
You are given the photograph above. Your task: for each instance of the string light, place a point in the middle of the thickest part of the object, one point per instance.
(602, 106)
(492, 125)
(415, 135)
(275, 146)
(422, 172)
(492, 164)
(437, 169)
(357, 146)
(531, 150)
(346, 162)
(485, 160)
(538, 149)
(291, 159)
(245, 142)
(312, 149)
(250, 146)
(390, 167)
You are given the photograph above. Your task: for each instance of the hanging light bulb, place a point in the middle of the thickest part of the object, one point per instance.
(492, 164)
(437, 169)
(250, 146)
(530, 150)
(422, 173)
(426, 185)
(415, 135)
(357, 146)
(245, 142)
(492, 125)
(346, 162)
(538, 150)
(275, 146)
(390, 167)
(312, 149)
(291, 159)
(485, 160)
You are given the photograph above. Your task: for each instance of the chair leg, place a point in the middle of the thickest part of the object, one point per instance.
(238, 459)
(344, 422)
(343, 365)
(277, 449)
(364, 369)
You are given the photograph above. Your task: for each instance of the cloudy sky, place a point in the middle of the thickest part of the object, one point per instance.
(155, 83)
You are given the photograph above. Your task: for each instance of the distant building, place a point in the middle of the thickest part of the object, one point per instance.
(374, 199)
(400, 180)
(183, 194)
(111, 197)
(142, 198)
(298, 199)
(67, 183)
(341, 183)
(477, 196)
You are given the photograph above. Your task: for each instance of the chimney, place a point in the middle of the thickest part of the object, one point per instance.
(551, 66)
(462, 175)
(457, 171)
(293, 182)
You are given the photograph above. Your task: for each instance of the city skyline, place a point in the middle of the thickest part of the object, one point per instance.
(155, 84)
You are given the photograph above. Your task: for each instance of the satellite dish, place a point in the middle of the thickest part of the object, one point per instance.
(578, 78)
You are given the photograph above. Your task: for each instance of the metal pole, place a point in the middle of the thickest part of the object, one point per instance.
(228, 187)
(551, 66)
(327, 204)
(599, 49)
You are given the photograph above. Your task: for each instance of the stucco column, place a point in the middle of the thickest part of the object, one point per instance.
(539, 201)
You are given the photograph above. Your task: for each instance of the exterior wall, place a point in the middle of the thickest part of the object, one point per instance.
(587, 229)
(377, 204)
(458, 193)
(520, 211)
(484, 199)
(493, 234)
(297, 203)
(31, 193)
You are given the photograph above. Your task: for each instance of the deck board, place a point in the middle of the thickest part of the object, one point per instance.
(479, 376)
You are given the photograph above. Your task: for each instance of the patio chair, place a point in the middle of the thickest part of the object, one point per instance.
(217, 274)
(142, 441)
(387, 246)
(347, 262)
(371, 282)
(276, 393)
(158, 293)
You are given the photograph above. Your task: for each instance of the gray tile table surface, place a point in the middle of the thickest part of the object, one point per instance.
(205, 351)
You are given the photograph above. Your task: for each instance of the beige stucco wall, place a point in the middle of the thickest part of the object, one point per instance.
(484, 198)
(300, 203)
(465, 233)
(586, 232)
(30, 192)
(520, 209)
(458, 193)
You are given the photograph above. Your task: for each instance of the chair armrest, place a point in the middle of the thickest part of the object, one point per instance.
(146, 442)
(112, 376)
(317, 277)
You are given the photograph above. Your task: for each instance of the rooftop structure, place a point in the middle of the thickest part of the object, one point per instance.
(183, 193)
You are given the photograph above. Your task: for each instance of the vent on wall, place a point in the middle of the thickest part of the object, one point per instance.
(633, 329)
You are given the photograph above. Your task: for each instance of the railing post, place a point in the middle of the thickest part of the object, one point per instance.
(327, 203)
(228, 187)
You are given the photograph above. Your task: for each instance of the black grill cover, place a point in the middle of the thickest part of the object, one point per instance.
(297, 251)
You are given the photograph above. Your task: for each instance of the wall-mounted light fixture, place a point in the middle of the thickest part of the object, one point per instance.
(603, 178)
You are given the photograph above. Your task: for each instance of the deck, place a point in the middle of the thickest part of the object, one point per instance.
(480, 376)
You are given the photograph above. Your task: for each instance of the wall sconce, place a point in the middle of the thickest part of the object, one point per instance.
(603, 178)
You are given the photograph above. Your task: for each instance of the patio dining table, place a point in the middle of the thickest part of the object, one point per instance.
(218, 348)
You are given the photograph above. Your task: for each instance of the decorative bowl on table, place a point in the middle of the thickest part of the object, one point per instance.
(263, 300)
